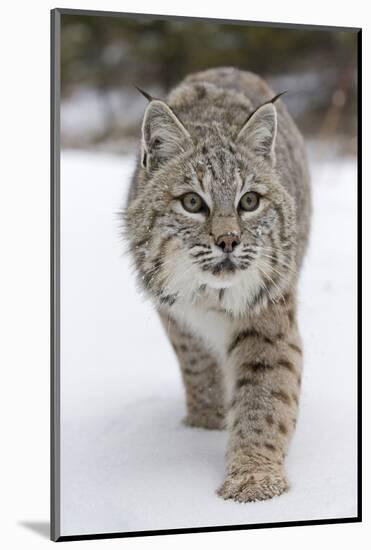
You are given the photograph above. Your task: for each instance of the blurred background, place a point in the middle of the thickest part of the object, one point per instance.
(102, 58)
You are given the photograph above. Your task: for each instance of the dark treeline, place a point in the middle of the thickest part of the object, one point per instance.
(106, 53)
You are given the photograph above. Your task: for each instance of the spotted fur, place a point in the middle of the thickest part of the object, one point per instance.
(231, 316)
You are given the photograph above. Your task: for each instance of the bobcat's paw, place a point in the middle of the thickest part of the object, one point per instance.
(249, 487)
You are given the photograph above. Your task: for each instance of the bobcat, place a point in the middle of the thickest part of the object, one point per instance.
(217, 223)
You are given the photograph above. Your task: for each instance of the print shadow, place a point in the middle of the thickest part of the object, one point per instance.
(42, 528)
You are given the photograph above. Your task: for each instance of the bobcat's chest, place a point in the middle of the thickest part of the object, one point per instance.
(213, 328)
(207, 318)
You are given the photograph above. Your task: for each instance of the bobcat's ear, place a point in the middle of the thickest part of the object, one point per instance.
(163, 135)
(259, 131)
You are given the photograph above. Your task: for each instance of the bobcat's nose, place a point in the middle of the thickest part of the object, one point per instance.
(228, 241)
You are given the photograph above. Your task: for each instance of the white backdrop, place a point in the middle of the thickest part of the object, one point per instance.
(25, 280)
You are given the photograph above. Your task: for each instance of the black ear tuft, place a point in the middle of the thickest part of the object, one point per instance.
(274, 99)
(145, 94)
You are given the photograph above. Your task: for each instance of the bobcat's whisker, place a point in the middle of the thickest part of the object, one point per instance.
(266, 289)
(280, 294)
(279, 261)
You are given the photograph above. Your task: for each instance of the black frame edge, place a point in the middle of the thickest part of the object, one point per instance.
(68, 538)
(55, 275)
(359, 272)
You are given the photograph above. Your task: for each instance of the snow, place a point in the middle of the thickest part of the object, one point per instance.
(127, 462)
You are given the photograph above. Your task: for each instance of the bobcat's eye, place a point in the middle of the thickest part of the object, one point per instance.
(193, 203)
(249, 201)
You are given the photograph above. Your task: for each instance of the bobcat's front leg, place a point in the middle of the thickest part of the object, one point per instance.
(265, 360)
(201, 376)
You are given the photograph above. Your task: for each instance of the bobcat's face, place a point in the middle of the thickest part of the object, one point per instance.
(212, 215)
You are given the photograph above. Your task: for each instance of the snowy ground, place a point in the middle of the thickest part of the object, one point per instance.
(127, 463)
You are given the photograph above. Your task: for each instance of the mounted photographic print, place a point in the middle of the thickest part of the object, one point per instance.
(204, 274)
